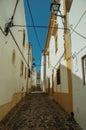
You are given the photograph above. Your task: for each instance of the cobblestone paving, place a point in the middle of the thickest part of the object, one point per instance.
(38, 111)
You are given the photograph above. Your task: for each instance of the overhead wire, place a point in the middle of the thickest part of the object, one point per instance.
(14, 9)
(40, 26)
(18, 47)
(79, 20)
(34, 26)
(78, 33)
(20, 51)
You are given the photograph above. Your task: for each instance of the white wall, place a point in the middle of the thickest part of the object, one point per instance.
(10, 79)
(78, 44)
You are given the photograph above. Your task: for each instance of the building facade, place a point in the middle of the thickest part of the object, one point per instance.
(63, 71)
(38, 80)
(77, 20)
(57, 67)
(13, 54)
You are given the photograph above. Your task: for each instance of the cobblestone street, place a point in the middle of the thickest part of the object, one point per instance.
(38, 111)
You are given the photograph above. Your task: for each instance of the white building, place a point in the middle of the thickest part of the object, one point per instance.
(63, 71)
(33, 77)
(57, 67)
(13, 54)
(77, 21)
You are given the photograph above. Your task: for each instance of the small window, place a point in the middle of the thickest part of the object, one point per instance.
(22, 65)
(84, 69)
(56, 43)
(24, 38)
(29, 73)
(25, 72)
(48, 60)
(13, 57)
(54, 29)
(58, 76)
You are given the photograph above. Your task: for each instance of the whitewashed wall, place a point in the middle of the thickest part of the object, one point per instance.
(10, 80)
(55, 61)
(77, 17)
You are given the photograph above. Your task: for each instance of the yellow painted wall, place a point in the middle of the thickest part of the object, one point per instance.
(64, 100)
(4, 109)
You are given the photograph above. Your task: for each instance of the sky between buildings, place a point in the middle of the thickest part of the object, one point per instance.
(37, 14)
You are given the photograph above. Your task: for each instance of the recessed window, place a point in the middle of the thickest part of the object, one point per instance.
(48, 59)
(24, 38)
(56, 43)
(54, 29)
(29, 73)
(58, 76)
(13, 57)
(25, 72)
(84, 69)
(22, 66)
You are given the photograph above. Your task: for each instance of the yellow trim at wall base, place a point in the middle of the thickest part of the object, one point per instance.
(49, 92)
(4, 109)
(64, 100)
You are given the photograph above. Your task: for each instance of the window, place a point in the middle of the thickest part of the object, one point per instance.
(24, 38)
(56, 43)
(58, 76)
(54, 29)
(48, 60)
(29, 73)
(25, 72)
(84, 69)
(13, 57)
(22, 65)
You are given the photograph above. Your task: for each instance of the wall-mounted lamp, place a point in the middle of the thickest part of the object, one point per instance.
(55, 8)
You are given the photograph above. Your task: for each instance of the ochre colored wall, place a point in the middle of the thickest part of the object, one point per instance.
(4, 109)
(64, 100)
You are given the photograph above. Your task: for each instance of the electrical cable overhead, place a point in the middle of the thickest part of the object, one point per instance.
(14, 9)
(78, 33)
(2, 30)
(10, 23)
(34, 25)
(40, 26)
(79, 20)
(18, 47)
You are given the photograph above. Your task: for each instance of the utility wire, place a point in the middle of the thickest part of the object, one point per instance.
(59, 60)
(14, 10)
(2, 30)
(79, 20)
(34, 26)
(18, 47)
(20, 50)
(40, 26)
(78, 33)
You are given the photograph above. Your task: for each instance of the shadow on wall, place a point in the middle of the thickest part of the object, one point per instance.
(71, 98)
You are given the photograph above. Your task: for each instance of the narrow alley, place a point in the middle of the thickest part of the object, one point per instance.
(38, 111)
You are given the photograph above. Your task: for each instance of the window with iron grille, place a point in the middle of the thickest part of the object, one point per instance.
(84, 69)
(24, 38)
(58, 76)
(22, 66)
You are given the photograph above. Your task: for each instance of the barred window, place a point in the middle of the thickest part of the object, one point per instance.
(84, 69)
(24, 38)
(13, 57)
(58, 76)
(22, 66)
